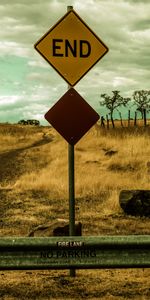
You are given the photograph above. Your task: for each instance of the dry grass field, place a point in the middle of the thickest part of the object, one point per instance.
(34, 191)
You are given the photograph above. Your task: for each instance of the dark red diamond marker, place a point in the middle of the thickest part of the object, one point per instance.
(72, 116)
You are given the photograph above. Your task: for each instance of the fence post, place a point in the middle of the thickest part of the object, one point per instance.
(107, 119)
(128, 118)
(144, 111)
(135, 118)
(120, 119)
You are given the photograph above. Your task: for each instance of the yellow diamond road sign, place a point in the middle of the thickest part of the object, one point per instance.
(71, 47)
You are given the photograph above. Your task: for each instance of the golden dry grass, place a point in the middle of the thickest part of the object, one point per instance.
(95, 172)
(34, 191)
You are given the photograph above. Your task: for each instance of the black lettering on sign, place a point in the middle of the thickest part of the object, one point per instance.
(66, 48)
(47, 254)
(56, 46)
(70, 253)
(85, 48)
(73, 49)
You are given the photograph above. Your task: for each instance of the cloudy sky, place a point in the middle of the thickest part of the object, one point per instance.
(30, 86)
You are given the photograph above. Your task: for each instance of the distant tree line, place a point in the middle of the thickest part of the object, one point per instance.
(29, 122)
(141, 99)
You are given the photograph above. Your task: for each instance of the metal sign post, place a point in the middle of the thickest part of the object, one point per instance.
(71, 190)
(71, 174)
(71, 196)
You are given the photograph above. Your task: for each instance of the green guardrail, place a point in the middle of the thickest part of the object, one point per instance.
(17, 253)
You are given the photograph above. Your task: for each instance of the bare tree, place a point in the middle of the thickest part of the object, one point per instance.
(113, 103)
(142, 101)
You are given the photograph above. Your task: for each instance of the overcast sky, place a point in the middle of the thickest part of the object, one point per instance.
(30, 86)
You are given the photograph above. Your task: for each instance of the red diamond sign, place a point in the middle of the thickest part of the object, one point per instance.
(71, 47)
(72, 116)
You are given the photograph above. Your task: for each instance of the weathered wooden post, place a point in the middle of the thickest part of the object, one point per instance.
(135, 118)
(128, 118)
(120, 119)
(107, 119)
(144, 114)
